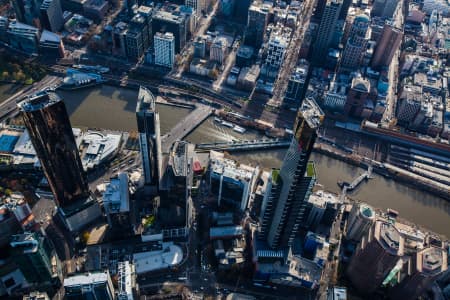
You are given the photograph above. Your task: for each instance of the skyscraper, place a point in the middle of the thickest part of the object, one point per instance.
(36, 258)
(326, 29)
(285, 204)
(48, 124)
(356, 43)
(377, 254)
(149, 136)
(51, 15)
(387, 45)
(258, 18)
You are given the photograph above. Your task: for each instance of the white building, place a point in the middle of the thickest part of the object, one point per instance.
(116, 197)
(164, 49)
(126, 281)
(89, 286)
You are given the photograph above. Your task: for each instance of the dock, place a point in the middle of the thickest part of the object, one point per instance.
(349, 187)
(185, 126)
(245, 145)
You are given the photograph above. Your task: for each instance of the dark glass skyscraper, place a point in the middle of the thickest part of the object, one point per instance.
(48, 124)
(283, 208)
(149, 136)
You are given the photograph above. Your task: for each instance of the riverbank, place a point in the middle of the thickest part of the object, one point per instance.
(389, 173)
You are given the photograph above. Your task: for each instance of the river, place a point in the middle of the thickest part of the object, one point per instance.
(114, 108)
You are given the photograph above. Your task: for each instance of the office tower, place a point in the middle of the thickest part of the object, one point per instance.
(174, 22)
(175, 209)
(197, 5)
(384, 8)
(149, 136)
(199, 47)
(241, 11)
(134, 39)
(326, 29)
(48, 125)
(320, 7)
(420, 273)
(258, 18)
(116, 202)
(164, 44)
(227, 7)
(337, 293)
(360, 220)
(51, 45)
(36, 258)
(357, 43)
(344, 9)
(285, 204)
(23, 37)
(51, 15)
(357, 97)
(296, 85)
(387, 46)
(218, 50)
(89, 286)
(377, 254)
(27, 11)
(19, 9)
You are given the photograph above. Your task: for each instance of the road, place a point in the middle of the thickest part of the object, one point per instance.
(231, 58)
(392, 96)
(9, 106)
(189, 50)
(291, 56)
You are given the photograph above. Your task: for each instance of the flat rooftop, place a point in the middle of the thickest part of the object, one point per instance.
(169, 256)
(311, 112)
(86, 279)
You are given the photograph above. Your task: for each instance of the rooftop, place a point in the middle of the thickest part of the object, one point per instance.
(170, 255)
(146, 100)
(39, 101)
(115, 197)
(86, 279)
(321, 198)
(311, 112)
(432, 261)
(389, 237)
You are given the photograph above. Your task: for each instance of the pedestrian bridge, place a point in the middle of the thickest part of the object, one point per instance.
(245, 145)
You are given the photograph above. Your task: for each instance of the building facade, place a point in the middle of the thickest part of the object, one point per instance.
(326, 29)
(48, 124)
(294, 182)
(164, 49)
(149, 136)
(387, 46)
(51, 15)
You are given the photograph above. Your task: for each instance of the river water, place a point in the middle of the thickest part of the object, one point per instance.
(114, 108)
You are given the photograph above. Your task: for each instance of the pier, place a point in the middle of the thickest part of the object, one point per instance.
(349, 187)
(185, 126)
(245, 145)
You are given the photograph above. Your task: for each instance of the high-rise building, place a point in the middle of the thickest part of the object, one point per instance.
(48, 124)
(51, 15)
(27, 11)
(258, 19)
(326, 29)
(296, 85)
(197, 5)
(357, 42)
(241, 10)
(286, 202)
(378, 253)
(387, 45)
(174, 22)
(164, 44)
(89, 286)
(357, 97)
(51, 45)
(384, 8)
(149, 136)
(420, 272)
(360, 220)
(36, 258)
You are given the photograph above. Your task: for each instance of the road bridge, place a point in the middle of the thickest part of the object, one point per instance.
(245, 145)
(185, 126)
